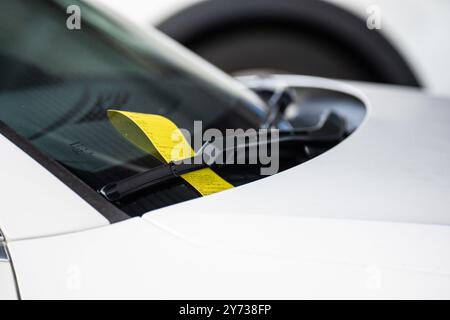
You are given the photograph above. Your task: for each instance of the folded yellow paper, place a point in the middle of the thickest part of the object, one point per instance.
(161, 138)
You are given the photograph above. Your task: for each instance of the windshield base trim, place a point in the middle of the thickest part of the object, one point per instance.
(99, 203)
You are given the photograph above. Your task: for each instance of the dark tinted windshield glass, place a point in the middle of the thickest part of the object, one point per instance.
(56, 85)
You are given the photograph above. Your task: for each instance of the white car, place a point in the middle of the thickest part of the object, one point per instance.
(359, 209)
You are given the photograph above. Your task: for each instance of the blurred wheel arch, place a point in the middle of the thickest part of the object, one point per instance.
(328, 40)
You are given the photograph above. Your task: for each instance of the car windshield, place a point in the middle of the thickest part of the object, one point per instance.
(56, 85)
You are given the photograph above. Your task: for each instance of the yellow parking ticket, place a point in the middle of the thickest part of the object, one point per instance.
(161, 138)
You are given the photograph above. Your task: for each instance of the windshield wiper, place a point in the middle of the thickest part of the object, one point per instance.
(152, 177)
(166, 172)
(329, 131)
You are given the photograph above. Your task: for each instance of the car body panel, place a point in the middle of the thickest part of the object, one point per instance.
(35, 203)
(8, 289)
(253, 257)
(367, 219)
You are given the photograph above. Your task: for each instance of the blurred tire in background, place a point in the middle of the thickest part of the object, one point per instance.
(308, 37)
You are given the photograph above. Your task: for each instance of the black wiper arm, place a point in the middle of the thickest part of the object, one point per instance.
(278, 102)
(330, 128)
(152, 177)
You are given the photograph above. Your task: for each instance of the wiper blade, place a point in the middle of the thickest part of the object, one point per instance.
(152, 177)
(330, 130)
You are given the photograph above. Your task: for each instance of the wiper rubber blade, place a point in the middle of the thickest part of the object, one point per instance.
(152, 177)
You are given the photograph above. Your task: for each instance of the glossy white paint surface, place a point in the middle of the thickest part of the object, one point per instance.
(7, 284)
(35, 203)
(249, 257)
(368, 219)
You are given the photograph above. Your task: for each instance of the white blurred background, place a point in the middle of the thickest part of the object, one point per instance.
(419, 29)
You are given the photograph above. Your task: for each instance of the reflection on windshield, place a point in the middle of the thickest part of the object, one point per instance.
(56, 85)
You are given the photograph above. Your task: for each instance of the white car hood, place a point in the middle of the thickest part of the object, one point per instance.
(368, 219)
